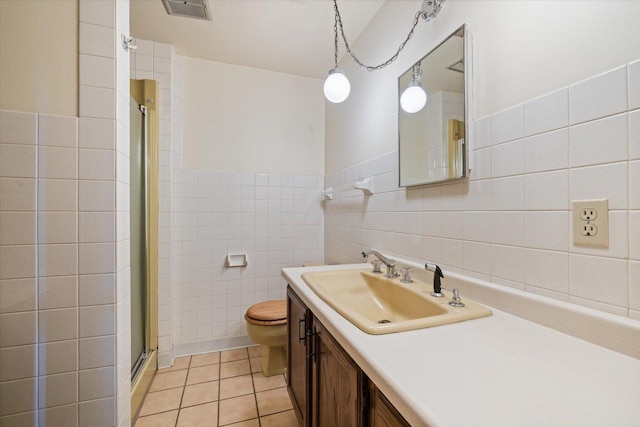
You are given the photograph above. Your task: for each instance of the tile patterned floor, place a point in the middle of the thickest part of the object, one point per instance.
(224, 388)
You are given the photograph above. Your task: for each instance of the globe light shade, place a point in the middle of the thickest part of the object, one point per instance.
(413, 98)
(336, 87)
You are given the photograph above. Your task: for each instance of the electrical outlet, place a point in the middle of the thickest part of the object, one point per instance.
(591, 222)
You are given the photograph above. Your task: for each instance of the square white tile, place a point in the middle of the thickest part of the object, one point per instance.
(57, 195)
(18, 161)
(96, 196)
(97, 71)
(17, 194)
(96, 133)
(97, 320)
(97, 383)
(97, 164)
(57, 325)
(477, 257)
(57, 162)
(507, 159)
(59, 131)
(98, 13)
(57, 260)
(599, 141)
(96, 258)
(507, 263)
(57, 227)
(18, 363)
(57, 390)
(547, 151)
(599, 279)
(547, 270)
(57, 292)
(597, 97)
(96, 289)
(18, 128)
(17, 228)
(97, 102)
(18, 262)
(97, 352)
(547, 230)
(17, 295)
(507, 193)
(97, 40)
(634, 285)
(57, 357)
(507, 228)
(507, 125)
(547, 113)
(547, 190)
(601, 182)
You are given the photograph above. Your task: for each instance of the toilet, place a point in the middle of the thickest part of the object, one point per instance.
(267, 325)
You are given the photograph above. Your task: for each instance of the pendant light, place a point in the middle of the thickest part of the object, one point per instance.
(337, 86)
(414, 97)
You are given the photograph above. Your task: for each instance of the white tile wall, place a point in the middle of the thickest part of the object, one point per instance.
(529, 162)
(50, 191)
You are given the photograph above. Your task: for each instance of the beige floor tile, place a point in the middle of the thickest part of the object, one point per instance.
(161, 401)
(200, 393)
(236, 386)
(237, 409)
(205, 359)
(165, 419)
(262, 383)
(203, 374)
(178, 363)
(281, 419)
(235, 354)
(234, 369)
(255, 351)
(168, 380)
(199, 416)
(256, 364)
(250, 423)
(272, 401)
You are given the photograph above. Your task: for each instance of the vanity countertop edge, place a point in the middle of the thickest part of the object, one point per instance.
(500, 370)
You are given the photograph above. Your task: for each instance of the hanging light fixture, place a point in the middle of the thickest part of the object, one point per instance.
(337, 86)
(414, 97)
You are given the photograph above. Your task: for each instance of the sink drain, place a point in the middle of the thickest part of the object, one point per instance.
(384, 321)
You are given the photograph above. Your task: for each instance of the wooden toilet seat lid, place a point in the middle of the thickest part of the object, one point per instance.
(268, 312)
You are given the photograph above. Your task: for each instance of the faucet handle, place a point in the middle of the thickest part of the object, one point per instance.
(406, 275)
(376, 263)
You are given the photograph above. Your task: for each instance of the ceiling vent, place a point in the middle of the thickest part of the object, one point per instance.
(198, 9)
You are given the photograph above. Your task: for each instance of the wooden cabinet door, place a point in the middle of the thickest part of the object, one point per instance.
(381, 411)
(298, 369)
(336, 383)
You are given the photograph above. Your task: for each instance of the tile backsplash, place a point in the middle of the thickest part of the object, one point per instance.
(510, 221)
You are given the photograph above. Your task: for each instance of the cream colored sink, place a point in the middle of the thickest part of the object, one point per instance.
(379, 305)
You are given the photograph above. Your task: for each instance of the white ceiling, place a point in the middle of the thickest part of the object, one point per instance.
(288, 36)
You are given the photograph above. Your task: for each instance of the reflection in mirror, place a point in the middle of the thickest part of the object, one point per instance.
(432, 140)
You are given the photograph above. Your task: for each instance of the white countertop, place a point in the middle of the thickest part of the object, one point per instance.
(496, 371)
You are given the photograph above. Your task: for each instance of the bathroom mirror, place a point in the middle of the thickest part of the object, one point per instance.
(432, 140)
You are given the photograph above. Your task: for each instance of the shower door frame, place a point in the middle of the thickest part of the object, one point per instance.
(145, 93)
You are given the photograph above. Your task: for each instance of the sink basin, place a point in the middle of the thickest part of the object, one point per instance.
(379, 305)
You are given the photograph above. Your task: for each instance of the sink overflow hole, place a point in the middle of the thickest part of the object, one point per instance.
(384, 321)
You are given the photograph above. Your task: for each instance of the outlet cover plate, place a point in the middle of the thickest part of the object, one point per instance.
(590, 220)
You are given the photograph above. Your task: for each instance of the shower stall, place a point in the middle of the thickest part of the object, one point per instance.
(143, 201)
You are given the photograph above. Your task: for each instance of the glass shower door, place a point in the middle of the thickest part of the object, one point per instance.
(138, 236)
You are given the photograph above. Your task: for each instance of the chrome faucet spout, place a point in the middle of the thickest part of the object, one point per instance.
(389, 262)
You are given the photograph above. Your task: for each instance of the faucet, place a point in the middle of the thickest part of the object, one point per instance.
(437, 286)
(390, 263)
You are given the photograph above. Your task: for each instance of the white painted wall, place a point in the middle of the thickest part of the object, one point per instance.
(239, 119)
(522, 49)
(39, 51)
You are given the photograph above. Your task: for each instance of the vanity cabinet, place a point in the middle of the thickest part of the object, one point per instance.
(298, 364)
(327, 388)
